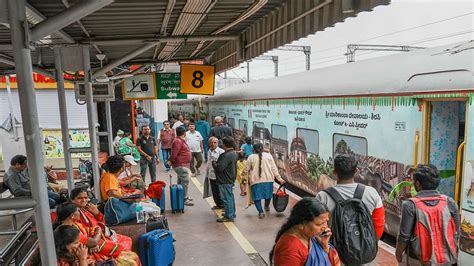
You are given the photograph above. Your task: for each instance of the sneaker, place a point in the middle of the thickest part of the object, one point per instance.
(267, 208)
(224, 220)
(188, 198)
(193, 175)
(217, 208)
(261, 215)
(188, 203)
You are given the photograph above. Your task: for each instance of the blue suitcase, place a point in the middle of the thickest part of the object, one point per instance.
(176, 198)
(161, 202)
(156, 248)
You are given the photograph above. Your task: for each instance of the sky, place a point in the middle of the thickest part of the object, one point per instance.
(424, 23)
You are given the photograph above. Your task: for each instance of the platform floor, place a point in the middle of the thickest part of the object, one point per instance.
(200, 240)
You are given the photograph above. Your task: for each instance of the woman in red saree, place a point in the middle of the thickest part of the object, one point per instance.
(90, 216)
(100, 247)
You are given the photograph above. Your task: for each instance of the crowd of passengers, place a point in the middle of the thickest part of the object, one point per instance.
(82, 238)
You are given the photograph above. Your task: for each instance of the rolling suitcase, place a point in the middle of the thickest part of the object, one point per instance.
(161, 202)
(176, 197)
(156, 248)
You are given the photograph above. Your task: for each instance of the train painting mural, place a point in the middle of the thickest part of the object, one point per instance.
(391, 113)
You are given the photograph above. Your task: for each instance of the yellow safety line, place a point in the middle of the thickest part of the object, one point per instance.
(238, 236)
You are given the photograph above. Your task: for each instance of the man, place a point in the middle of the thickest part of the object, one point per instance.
(179, 122)
(202, 126)
(180, 160)
(166, 137)
(345, 167)
(213, 154)
(194, 141)
(439, 216)
(117, 139)
(18, 180)
(220, 131)
(149, 153)
(225, 169)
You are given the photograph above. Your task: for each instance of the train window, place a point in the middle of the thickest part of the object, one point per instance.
(310, 138)
(231, 122)
(279, 132)
(347, 144)
(258, 124)
(243, 126)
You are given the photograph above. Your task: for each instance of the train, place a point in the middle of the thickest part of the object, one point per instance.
(391, 112)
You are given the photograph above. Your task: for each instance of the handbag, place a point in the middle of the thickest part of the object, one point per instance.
(117, 211)
(280, 199)
(207, 191)
(154, 223)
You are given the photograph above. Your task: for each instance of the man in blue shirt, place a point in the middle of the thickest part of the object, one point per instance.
(247, 147)
(203, 127)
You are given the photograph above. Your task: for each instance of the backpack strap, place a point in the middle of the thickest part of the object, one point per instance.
(332, 192)
(359, 192)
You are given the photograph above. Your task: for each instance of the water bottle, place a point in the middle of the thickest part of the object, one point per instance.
(140, 213)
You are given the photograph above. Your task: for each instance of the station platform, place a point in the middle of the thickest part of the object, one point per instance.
(200, 240)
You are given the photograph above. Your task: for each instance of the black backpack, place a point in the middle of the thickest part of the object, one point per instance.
(353, 233)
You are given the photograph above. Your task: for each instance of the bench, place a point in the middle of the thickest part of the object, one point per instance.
(132, 229)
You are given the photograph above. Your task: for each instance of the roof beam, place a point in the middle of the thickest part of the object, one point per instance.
(133, 41)
(38, 16)
(9, 61)
(140, 50)
(67, 17)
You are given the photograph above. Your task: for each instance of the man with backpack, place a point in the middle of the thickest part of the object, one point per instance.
(429, 227)
(357, 214)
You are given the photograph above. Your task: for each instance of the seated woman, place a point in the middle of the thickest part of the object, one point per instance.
(102, 248)
(128, 180)
(90, 216)
(126, 146)
(69, 250)
(304, 238)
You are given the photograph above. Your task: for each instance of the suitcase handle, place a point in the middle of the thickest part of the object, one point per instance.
(163, 236)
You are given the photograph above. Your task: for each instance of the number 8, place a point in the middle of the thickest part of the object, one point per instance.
(197, 81)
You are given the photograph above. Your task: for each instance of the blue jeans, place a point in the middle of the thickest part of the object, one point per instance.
(166, 156)
(227, 196)
(53, 199)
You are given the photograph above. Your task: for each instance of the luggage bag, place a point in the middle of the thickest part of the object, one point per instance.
(176, 198)
(161, 202)
(156, 248)
(154, 223)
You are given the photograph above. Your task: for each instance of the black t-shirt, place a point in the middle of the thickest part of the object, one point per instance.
(147, 144)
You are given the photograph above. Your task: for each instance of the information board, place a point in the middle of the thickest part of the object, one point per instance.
(168, 86)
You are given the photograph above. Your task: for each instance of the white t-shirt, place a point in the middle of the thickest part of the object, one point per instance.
(177, 124)
(370, 197)
(194, 141)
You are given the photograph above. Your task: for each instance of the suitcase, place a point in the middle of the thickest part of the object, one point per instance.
(154, 223)
(161, 202)
(176, 198)
(156, 248)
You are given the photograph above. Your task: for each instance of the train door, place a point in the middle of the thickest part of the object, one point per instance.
(444, 135)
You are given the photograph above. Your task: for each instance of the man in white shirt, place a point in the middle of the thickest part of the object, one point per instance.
(212, 155)
(179, 122)
(194, 140)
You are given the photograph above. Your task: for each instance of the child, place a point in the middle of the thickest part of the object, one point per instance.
(242, 179)
(247, 149)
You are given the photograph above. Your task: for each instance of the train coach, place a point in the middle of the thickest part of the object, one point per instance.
(390, 112)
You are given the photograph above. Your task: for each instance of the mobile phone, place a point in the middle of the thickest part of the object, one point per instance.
(94, 201)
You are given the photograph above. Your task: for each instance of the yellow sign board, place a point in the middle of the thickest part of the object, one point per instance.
(197, 79)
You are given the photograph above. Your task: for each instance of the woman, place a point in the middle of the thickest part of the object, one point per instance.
(304, 238)
(262, 170)
(90, 216)
(102, 248)
(129, 181)
(126, 146)
(69, 250)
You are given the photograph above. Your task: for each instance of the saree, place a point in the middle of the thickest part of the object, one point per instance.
(318, 257)
(87, 219)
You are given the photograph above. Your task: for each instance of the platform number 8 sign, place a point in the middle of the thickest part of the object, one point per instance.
(197, 79)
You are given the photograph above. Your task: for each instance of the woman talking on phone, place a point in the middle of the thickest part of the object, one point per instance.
(304, 238)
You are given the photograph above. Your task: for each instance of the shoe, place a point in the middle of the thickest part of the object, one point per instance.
(217, 208)
(190, 199)
(242, 194)
(267, 209)
(188, 203)
(224, 220)
(261, 215)
(193, 175)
